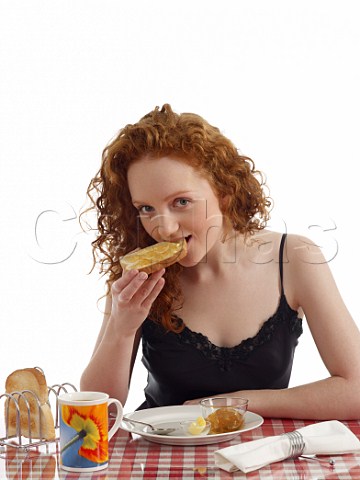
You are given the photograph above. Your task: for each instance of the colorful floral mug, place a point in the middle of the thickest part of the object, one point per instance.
(84, 430)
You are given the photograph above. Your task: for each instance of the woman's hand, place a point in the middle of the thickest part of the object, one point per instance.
(132, 296)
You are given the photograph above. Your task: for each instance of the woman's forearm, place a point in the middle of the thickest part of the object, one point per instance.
(331, 398)
(110, 367)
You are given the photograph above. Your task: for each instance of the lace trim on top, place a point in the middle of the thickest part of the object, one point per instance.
(224, 355)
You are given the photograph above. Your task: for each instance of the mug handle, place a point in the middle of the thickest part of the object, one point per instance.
(119, 415)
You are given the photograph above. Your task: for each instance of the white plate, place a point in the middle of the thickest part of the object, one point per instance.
(165, 417)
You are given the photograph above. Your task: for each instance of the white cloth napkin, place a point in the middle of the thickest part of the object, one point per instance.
(325, 438)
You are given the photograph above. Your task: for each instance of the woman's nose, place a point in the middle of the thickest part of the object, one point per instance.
(167, 227)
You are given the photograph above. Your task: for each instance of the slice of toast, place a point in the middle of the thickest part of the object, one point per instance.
(153, 258)
(34, 398)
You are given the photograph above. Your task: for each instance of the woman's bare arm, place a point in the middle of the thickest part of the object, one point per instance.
(111, 364)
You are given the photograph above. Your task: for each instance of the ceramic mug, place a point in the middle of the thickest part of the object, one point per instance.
(84, 430)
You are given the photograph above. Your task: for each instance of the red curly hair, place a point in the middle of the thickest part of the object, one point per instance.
(192, 139)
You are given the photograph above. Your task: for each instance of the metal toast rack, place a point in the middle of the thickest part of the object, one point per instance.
(25, 439)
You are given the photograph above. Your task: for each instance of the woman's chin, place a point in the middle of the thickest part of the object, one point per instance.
(190, 261)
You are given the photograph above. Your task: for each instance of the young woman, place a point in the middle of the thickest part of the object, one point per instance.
(226, 319)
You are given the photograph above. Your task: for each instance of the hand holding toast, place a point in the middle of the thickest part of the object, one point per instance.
(132, 296)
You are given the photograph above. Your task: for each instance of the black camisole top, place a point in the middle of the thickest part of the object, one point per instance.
(184, 366)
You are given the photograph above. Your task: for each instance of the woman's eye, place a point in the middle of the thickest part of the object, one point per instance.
(182, 202)
(145, 209)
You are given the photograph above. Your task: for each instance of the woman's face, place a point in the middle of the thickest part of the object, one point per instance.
(174, 202)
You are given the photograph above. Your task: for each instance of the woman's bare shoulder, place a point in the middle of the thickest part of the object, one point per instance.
(303, 250)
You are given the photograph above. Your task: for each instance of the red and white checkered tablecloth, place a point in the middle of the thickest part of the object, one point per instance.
(136, 458)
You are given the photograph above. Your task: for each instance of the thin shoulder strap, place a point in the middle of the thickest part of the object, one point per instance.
(281, 261)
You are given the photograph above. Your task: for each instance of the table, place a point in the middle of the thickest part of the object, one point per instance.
(136, 458)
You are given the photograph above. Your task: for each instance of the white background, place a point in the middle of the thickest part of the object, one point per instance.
(280, 78)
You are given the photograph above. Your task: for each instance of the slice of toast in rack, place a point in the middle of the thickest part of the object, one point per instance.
(32, 382)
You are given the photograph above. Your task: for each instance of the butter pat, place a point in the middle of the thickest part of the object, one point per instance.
(197, 427)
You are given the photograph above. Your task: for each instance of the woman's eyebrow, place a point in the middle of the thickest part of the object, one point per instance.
(179, 194)
(168, 197)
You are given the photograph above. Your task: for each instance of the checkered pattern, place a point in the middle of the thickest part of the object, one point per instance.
(136, 458)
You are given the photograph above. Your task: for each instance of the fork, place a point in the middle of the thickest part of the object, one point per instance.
(297, 446)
